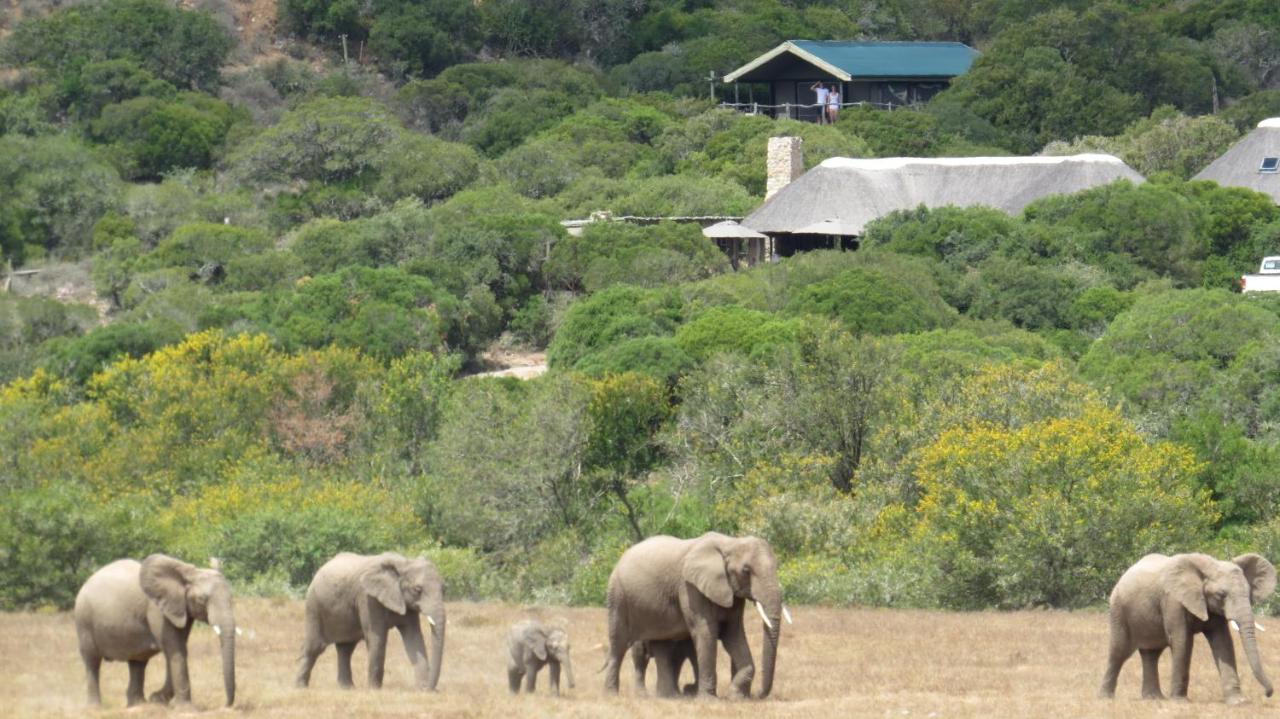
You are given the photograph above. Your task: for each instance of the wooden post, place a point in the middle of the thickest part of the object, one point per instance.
(344, 48)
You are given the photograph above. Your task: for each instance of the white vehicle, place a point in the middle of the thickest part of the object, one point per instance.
(1267, 279)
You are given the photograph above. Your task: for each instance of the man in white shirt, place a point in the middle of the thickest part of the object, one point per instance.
(822, 93)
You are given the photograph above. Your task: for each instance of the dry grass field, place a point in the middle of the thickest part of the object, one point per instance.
(832, 663)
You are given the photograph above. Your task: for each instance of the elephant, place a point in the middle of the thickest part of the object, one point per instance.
(532, 645)
(1164, 601)
(667, 588)
(354, 597)
(670, 656)
(130, 611)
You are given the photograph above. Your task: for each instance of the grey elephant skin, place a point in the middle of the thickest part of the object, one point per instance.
(666, 588)
(355, 597)
(670, 657)
(532, 645)
(129, 611)
(1165, 601)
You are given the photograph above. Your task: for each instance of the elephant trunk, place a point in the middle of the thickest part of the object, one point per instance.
(437, 625)
(770, 599)
(223, 619)
(1244, 618)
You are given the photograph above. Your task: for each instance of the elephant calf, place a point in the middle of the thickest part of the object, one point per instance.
(670, 656)
(530, 646)
(1165, 601)
(129, 611)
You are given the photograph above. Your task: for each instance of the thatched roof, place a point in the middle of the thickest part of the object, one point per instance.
(1239, 166)
(852, 193)
(730, 230)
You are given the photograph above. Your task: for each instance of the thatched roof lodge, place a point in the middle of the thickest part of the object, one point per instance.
(830, 205)
(1253, 162)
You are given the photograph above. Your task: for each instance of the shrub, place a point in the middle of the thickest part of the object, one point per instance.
(53, 537)
(871, 301)
(610, 316)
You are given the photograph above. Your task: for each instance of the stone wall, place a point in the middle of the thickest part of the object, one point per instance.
(785, 162)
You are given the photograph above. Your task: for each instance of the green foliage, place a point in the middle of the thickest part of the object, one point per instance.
(607, 254)
(152, 136)
(735, 329)
(872, 300)
(55, 536)
(55, 192)
(1167, 141)
(610, 316)
(659, 358)
(385, 312)
(182, 47)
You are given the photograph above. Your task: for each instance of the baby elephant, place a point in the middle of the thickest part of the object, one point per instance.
(532, 644)
(670, 655)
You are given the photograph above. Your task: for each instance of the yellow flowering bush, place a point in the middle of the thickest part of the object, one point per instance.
(1051, 512)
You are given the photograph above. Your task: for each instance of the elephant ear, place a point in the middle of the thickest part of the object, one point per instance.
(536, 641)
(1260, 573)
(704, 568)
(1185, 583)
(165, 580)
(382, 582)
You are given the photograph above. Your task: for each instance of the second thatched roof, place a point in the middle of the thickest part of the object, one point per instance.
(1244, 165)
(851, 193)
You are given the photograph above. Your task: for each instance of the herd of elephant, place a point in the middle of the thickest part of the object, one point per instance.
(670, 600)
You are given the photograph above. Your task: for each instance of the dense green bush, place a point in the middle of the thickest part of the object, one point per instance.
(185, 48)
(54, 536)
(610, 316)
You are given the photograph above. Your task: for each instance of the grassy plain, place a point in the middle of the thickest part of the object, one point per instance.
(833, 663)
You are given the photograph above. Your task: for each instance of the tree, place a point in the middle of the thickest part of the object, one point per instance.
(626, 412)
(183, 47)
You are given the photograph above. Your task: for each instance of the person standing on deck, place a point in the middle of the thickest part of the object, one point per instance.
(821, 92)
(833, 104)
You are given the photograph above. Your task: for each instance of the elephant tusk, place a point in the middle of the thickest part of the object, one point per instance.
(786, 614)
(1234, 625)
(431, 621)
(238, 632)
(763, 616)
(1259, 626)
(217, 630)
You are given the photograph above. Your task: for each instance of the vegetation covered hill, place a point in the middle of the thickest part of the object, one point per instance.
(302, 259)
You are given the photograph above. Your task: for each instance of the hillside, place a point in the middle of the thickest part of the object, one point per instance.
(269, 278)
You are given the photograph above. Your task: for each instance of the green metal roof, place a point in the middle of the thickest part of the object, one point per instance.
(848, 60)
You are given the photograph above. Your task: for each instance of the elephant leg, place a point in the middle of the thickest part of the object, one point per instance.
(345, 650)
(640, 665)
(313, 645)
(704, 643)
(531, 677)
(310, 653)
(1180, 646)
(553, 677)
(1151, 673)
(618, 645)
(1120, 651)
(415, 647)
(377, 643)
(165, 692)
(514, 675)
(1224, 656)
(137, 677)
(740, 662)
(668, 667)
(92, 672)
(180, 679)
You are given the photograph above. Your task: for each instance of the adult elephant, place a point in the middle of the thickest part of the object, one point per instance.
(1165, 601)
(667, 588)
(130, 611)
(354, 597)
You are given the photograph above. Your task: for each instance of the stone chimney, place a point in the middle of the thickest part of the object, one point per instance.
(785, 163)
